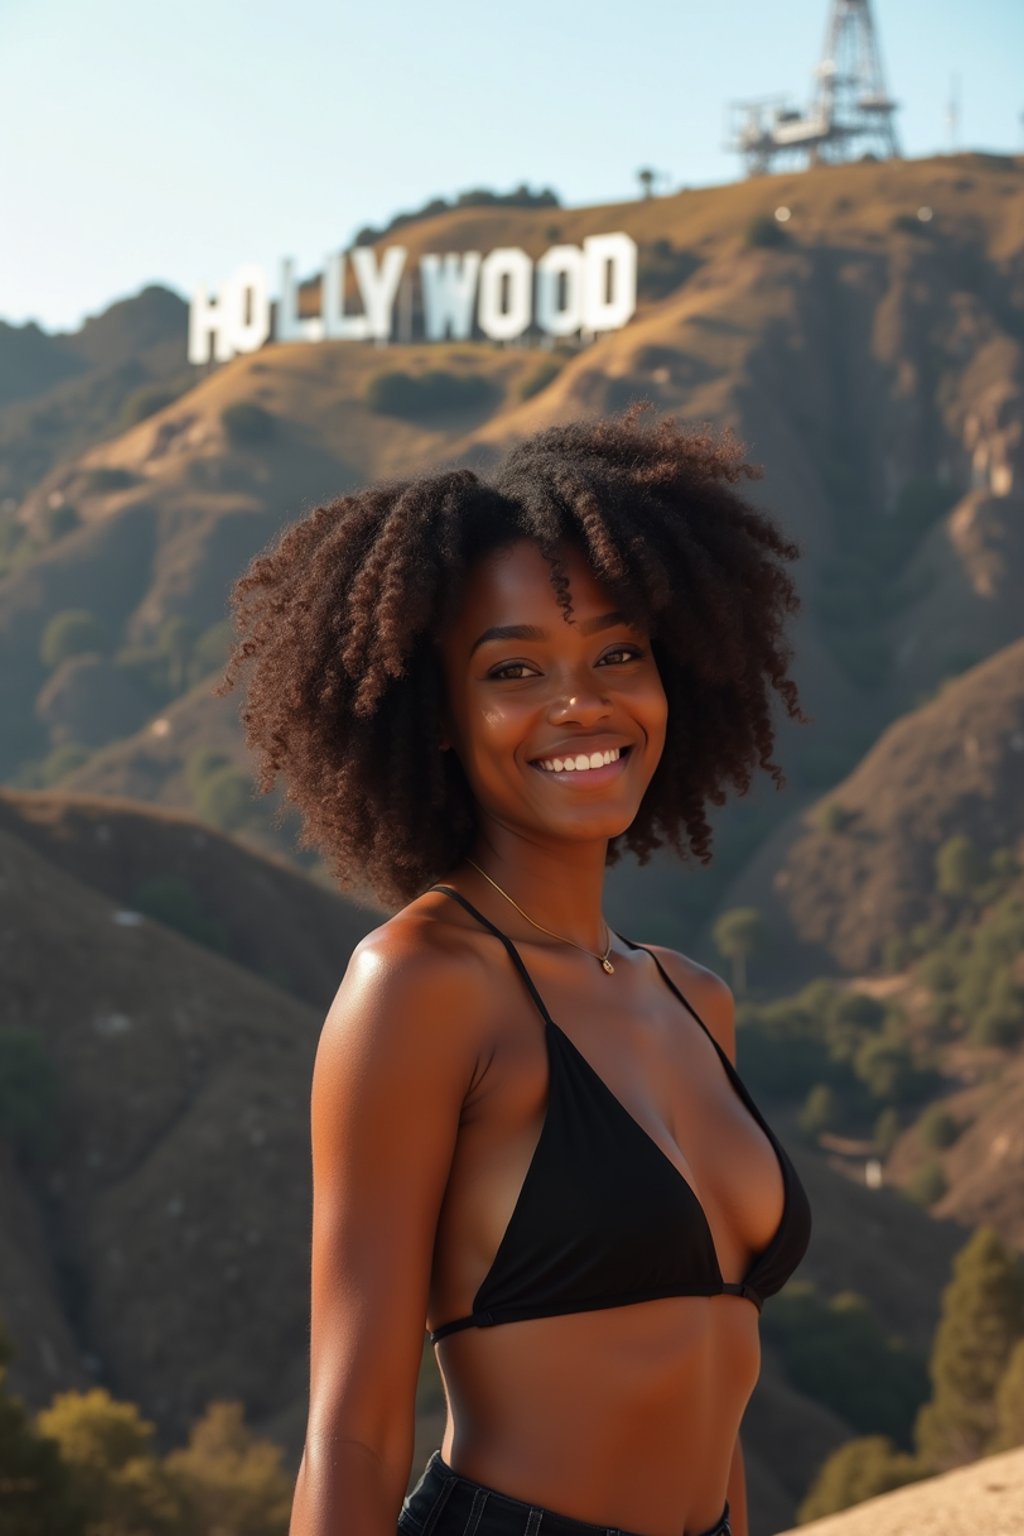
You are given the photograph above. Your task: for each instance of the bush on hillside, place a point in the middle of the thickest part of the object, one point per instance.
(247, 423)
(981, 1324)
(1001, 1021)
(835, 1351)
(62, 761)
(415, 396)
(541, 377)
(928, 1184)
(662, 268)
(834, 817)
(61, 520)
(75, 632)
(104, 478)
(764, 229)
(225, 800)
(861, 1469)
(938, 1128)
(146, 402)
(37, 1495)
(887, 1130)
(820, 1112)
(959, 866)
(200, 764)
(1009, 1426)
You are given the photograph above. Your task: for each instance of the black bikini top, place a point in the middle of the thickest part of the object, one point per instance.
(604, 1218)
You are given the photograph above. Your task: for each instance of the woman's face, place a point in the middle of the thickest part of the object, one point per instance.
(528, 692)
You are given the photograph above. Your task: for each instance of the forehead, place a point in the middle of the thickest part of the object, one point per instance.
(513, 585)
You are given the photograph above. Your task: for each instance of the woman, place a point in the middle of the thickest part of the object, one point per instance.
(527, 1129)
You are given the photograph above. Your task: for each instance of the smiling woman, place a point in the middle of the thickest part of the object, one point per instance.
(479, 695)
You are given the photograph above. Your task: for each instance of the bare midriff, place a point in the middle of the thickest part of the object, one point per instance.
(626, 1416)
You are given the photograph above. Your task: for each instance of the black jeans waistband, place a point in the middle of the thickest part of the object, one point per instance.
(444, 1503)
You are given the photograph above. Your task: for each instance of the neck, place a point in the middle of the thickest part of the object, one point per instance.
(561, 887)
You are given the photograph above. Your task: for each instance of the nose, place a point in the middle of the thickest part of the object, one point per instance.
(579, 701)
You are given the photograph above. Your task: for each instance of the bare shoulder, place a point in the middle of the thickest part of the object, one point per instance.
(710, 995)
(414, 976)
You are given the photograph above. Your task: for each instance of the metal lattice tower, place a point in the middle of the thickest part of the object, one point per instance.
(851, 112)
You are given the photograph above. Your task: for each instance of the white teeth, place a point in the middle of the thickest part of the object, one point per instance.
(581, 763)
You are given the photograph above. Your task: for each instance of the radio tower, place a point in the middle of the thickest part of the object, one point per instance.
(851, 112)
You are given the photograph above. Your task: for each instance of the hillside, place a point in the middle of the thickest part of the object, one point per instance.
(982, 1499)
(838, 890)
(162, 1247)
(872, 363)
(60, 394)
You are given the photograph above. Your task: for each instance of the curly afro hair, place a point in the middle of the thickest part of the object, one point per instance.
(340, 616)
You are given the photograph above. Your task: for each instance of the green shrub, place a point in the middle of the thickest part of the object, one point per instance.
(61, 520)
(225, 799)
(835, 1351)
(146, 402)
(540, 377)
(928, 1184)
(820, 1111)
(75, 632)
(416, 396)
(959, 866)
(938, 1128)
(887, 1130)
(62, 761)
(861, 1469)
(833, 817)
(247, 423)
(107, 477)
(764, 230)
(938, 972)
(897, 953)
(200, 764)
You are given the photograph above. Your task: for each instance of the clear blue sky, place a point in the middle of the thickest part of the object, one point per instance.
(172, 143)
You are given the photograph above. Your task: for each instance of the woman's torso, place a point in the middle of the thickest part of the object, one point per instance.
(626, 1415)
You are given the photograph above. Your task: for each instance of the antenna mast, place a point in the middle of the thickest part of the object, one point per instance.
(851, 109)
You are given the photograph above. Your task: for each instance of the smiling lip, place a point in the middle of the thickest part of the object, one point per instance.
(584, 777)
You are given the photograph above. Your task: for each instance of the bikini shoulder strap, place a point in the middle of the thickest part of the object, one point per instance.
(513, 953)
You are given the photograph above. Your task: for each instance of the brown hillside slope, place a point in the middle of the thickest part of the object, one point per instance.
(952, 766)
(983, 1499)
(274, 921)
(176, 1209)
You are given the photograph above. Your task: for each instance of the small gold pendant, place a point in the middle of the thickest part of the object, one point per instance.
(608, 966)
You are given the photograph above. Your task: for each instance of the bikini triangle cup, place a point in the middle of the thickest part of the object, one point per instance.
(604, 1217)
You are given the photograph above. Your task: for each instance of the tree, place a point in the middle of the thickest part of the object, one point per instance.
(36, 1497)
(740, 934)
(1010, 1404)
(646, 179)
(230, 1481)
(861, 1469)
(106, 1445)
(982, 1320)
(75, 632)
(820, 1111)
(959, 866)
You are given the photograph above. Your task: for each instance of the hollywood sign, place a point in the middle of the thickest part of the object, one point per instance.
(570, 289)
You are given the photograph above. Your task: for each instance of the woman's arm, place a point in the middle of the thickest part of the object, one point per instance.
(396, 1058)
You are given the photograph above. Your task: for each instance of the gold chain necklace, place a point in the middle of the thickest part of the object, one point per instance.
(603, 960)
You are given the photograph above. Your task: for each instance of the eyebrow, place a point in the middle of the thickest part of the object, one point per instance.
(532, 632)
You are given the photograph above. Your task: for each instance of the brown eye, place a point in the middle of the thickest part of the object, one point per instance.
(626, 652)
(501, 674)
